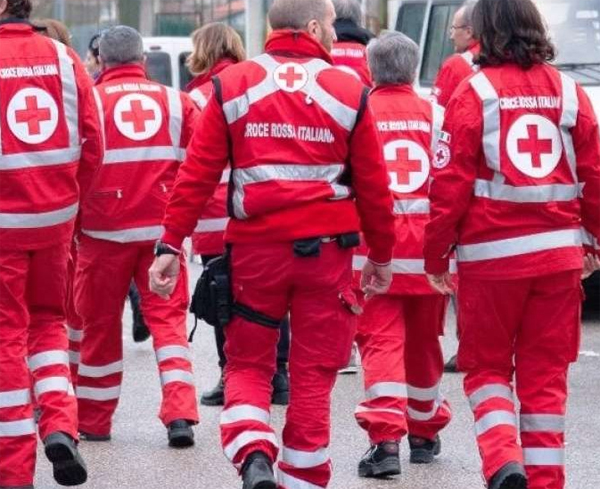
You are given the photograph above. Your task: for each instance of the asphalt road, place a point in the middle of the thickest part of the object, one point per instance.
(138, 456)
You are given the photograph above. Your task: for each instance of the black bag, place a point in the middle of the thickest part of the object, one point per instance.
(212, 300)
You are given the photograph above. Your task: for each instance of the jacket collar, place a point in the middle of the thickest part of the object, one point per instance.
(204, 78)
(392, 89)
(287, 42)
(348, 31)
(124, 71)
(16, 24)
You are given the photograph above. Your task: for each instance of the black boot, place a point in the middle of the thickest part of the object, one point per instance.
(68, 466)
(511, 476)
(140, 331)
(422, 450)
(180, 434)
(281, 387)
(257, 472)
(381, 460)
(216, 396)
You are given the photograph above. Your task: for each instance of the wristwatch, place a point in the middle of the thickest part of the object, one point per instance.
(161, 248)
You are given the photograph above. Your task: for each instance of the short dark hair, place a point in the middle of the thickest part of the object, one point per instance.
(511, 31)
(19, 8)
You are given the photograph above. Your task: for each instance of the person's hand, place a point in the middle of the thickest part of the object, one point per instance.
(376, 279)
(591, 263)
(163, 275)
(441, 283)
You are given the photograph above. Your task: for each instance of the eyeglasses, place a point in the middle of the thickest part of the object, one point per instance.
(457, 27)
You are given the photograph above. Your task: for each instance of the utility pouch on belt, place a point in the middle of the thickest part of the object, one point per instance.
(212, 300)
(312, 246)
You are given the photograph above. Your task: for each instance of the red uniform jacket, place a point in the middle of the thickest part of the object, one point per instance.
(208, 238)
(455, 69)
(146, 128)
(49, 145)
(410, 128)
(352, 57)
(305, 154)
(524, 175)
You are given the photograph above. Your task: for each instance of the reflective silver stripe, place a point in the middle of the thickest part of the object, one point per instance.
(226, 175)
(438, 122)
(74, 334)
(132, 235)
(519, 246)
(411, 206)
(238, 107)
(100, 109)
(197, 96)
(387, 389)
(98, 393)
(568, 119)
(529, 194)
(69, 93)
(15, 398)
(22, 427)
(489, 391)
(52, 384)
(544, 456)
(145, 153)
(175, 116)
(305, 460)
(47, 358)
(494, 419)
(491, 119)
(552, 423)
(245, 438)
(38, 220)
(211, 225)
(589, 239)
(417, 415)
(74, 357)
(423, 394)
(401, 266)
(176, 376)
(468, 57)
(40, 158)
(245, 412)
(286, 481)
(172, 351)
(366, 410)
(101, 370)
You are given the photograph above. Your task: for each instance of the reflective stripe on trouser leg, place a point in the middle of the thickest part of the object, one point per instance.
(48, 343)
(73, 321)
(380, 339)
(428, 412)
(166, 321)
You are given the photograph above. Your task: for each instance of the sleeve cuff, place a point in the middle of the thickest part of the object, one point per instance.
(173, 239)
(437, 266)
(380, 258)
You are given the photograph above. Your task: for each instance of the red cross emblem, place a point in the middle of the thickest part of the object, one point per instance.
(138, 116)
(33, 115)
(406, 166)
(291, 77)
(534, 145)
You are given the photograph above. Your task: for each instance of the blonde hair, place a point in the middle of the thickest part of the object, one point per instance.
(212, 43)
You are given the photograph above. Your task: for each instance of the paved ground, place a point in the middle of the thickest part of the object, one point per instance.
(138, 456)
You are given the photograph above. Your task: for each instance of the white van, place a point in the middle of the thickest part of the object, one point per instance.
(165, 60)
(574, 26)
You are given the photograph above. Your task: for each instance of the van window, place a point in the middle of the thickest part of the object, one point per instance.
(410, 20)
(184, 74)
(438, 45)
(158, 66)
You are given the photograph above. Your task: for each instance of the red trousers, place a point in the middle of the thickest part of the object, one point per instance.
(74, 322)
(528, 329)
(33, 353)
(104, 272)
(398, 339)
(317, 293)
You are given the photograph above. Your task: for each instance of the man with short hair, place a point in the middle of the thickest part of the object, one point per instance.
(307, 174)
(398, 333)
(349, 51)
(460, 65)
(49, 150)
(146, 128)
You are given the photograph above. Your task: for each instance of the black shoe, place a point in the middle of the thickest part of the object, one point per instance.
(451, 365)
(69, 467)
(257, 472)
(281, 387)
(381, 460)
(422, 450)
(180, 434)
(140, 331)
(511, 476)
(83, 436)
(215, 397)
